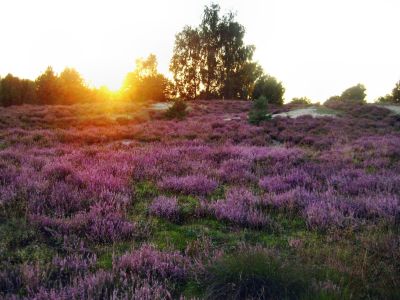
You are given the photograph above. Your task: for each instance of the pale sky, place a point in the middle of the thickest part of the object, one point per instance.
(317, 48)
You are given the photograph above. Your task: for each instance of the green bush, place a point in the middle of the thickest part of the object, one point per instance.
(394, 97)
(301, 100)
(259, 111)
(177, 111)
(254, 274)
(388, 99)
(355, 94)
(270, 88)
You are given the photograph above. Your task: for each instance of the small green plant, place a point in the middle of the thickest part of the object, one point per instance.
(188, 206)
(177, 111)
(253, 274)
(259, 111)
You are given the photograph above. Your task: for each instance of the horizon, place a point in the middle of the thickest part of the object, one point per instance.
(316, 49)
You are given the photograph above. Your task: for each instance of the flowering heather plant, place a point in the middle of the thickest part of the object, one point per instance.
(104, 225)
(383, 206)
(328, 213)
(292, 200)
(191, 184)
(149, 262)
(100, 224)
(74, 173)
(63, 269)
(165, 207)
(236, 171)
(274, 184)
(239, 207)
(282, 183)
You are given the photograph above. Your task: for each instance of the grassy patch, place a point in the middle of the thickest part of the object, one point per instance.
(20, 243)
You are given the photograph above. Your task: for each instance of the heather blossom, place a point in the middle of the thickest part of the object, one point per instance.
(191, 184)
(165, 207)
(149, 262)
(240, 207)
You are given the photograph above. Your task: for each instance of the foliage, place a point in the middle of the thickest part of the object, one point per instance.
(254, 274)
(270, 88)
(259, 111)
(66, 88)
(186, 63)
(72, 87)
(211, 61)
(387, 99)
(355, 93)
(145, 83)
(178, 110)
(301, 101)
(48, 87)
(15, 91)
(393, 97)
(165, 207)
(396, 93)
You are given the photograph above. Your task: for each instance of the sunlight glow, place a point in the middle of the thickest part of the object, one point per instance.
(317, 48)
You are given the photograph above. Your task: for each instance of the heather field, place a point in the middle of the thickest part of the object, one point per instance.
(118, 202)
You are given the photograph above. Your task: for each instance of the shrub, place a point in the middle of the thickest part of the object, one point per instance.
(165, 207)
(239, 207)
(328, 213)
(355, 93)
(191, 184)
(177, 111)
(259, 111)
(149, 262)
(253, 274)
(387, 99)
(394, 97)
(300, 101)
(270, 88)
(333, 102)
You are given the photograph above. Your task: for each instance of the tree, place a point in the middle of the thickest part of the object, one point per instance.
(15, 91)
(212, 61)
(238, 72)
(186, 63)
(145, 83)
(48, 87)
(210, 51)
(270, 88)
(28, 91)
(72, 87)
(396, 93)
(10, 91)
(355, 93)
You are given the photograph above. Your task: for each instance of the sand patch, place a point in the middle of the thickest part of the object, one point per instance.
(311, 111)
(393, 108)
(160, 106)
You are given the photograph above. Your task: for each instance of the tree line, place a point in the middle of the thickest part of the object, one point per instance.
(210, 61)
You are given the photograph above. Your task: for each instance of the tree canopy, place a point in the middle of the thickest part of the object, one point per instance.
(270, 88)
(145, 83)
(14, 91)
(212, 61)
(354, 93)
